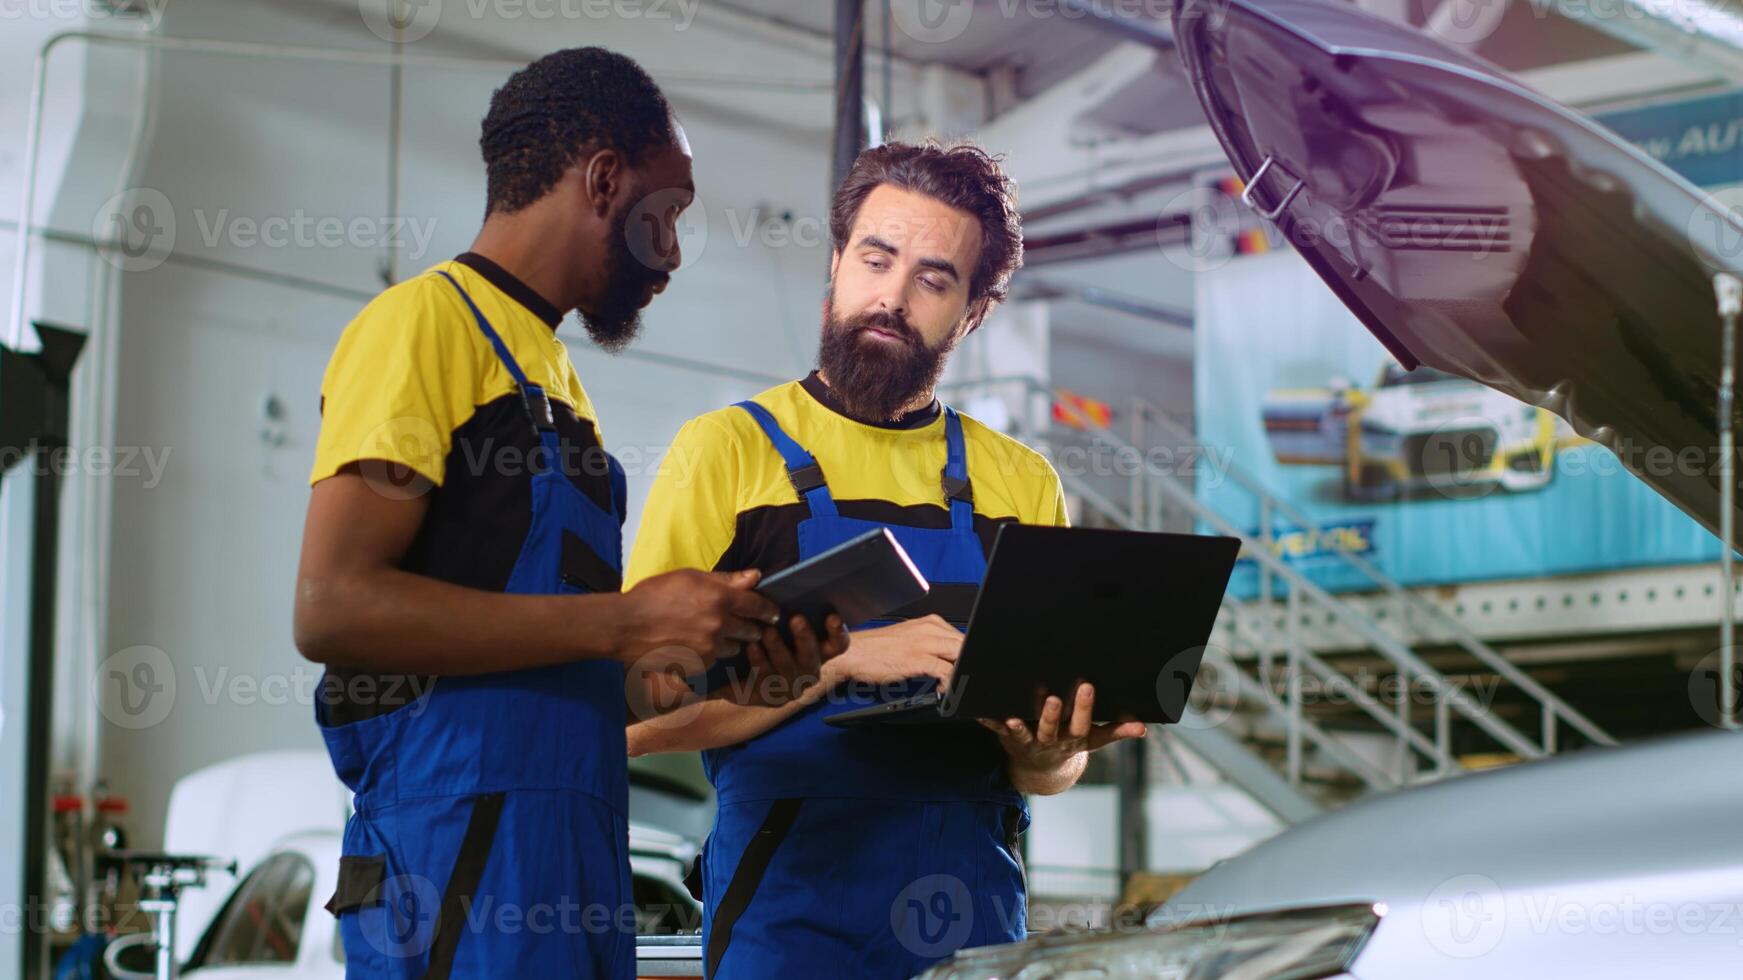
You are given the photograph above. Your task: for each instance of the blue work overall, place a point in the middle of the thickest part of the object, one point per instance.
(490, 834)
(863, 852)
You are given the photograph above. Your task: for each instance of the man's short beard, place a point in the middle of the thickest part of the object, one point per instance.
(617, 317)
(875, 380)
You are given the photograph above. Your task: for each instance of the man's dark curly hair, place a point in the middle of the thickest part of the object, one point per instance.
(962, 175)
(558, 109)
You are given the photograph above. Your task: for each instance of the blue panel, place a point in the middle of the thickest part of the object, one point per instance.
(1697, 138)
(1433, 478)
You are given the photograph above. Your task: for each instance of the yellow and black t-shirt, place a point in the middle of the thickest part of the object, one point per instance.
(414, 381)
(722, 499)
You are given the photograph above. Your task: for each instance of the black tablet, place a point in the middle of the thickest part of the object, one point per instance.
(860, 580)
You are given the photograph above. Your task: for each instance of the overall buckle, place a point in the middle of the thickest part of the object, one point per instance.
(538, 408)
(807, 478)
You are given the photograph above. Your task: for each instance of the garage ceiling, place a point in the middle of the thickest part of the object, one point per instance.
(1039, 46)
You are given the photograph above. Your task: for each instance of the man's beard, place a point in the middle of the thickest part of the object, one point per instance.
(617, 317)
(875, 380)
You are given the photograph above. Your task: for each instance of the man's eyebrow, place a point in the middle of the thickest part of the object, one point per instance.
(942, 265)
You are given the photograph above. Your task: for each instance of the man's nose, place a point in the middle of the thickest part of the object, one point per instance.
(894, 300)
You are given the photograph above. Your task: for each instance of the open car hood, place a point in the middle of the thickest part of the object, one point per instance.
(1477, 227)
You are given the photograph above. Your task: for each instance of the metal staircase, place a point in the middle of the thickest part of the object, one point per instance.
(1297, 724)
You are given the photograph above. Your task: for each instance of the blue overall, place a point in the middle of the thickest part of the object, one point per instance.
(490, 834)
(863, 852)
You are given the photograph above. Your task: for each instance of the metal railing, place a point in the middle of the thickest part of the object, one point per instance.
(1276, 695)
(1555, 711)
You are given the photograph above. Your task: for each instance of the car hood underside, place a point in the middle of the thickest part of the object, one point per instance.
(1474, 226)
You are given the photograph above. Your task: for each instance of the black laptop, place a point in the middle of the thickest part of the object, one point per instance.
(1127, 611)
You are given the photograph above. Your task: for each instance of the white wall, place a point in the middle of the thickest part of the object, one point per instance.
(203, 559)
(79, 157)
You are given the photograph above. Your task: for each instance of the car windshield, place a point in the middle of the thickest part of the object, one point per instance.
(263, 920)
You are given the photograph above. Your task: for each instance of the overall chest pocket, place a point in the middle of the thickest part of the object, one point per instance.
(580, 568)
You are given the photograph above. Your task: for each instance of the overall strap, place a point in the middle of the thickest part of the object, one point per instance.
(958, 491)
(533, 398)
(753, 863)
(802, 467)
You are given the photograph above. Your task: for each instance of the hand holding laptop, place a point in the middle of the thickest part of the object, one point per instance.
(1128, 611)
(1053, 740)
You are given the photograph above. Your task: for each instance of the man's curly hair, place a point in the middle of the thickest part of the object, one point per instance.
(558, 109)
(961, 175)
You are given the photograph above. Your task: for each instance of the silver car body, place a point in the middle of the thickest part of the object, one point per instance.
(1497, 236)
(1622, 863)
(1478, 228)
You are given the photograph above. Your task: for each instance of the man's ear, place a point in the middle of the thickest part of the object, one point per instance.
(834, 263)
(976, 315)
(602, 178)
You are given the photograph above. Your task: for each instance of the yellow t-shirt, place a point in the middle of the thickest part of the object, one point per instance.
(414, 381)
(413, 370)
(722, 499)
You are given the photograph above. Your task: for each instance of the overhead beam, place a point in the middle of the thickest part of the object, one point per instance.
(1107, 299)
(1156, 34)
(1702, 31)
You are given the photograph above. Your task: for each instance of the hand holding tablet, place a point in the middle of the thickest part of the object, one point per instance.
(860, 580)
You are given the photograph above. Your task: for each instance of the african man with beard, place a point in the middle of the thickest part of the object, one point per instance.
(462, 556)
(855, 852)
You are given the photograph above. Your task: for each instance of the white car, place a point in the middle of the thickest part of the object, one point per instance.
(273, 924)
(1616, 862)
(1426, 429)
(1416, 430)
(271, 921)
